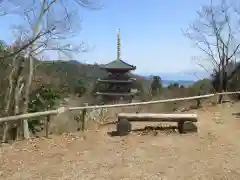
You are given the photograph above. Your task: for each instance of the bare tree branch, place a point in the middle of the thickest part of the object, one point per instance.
(26, 45)
(216, 33)
(48, 25)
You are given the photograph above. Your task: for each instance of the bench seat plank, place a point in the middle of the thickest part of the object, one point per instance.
(151, 117)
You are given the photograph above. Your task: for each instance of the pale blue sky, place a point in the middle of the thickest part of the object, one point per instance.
(151, 33)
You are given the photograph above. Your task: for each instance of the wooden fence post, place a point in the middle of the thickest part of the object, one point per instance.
(47, 125)
(199, 100)
(78, 119)
(83, 120)
(198, 103)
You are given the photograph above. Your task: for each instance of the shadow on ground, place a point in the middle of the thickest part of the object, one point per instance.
(149, 130)
(236, 114)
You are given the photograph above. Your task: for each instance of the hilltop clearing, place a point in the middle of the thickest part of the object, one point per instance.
(211, 153)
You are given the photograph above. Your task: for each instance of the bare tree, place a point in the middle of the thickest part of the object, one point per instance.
(216, 34)
(48, 25)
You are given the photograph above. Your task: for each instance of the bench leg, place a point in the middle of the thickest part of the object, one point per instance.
(124, 127)
(180, 127)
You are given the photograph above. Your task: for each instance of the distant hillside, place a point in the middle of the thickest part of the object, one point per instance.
(64, 75)
(180, 82)
(68, 73)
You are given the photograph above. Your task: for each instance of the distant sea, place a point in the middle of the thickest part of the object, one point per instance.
(184, 78)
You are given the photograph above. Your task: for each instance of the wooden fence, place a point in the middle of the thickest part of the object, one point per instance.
(85, 108)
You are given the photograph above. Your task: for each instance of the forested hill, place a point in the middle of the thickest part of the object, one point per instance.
(68, 73)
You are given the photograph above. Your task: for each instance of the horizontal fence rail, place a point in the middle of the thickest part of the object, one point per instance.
(153, 102)
(63, 109)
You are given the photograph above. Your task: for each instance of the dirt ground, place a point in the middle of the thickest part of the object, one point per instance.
(212, 153)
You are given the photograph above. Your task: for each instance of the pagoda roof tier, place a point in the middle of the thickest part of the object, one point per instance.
(115, 81)
(115, 94)
(118, 64)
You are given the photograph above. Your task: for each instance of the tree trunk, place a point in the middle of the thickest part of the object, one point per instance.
(221, 79)
(30, 66)
(14, 77)
(17, 96)
(26, 95)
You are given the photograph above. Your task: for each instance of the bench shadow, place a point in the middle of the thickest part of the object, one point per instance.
(237, 114)
(113, 133)
(147, 130)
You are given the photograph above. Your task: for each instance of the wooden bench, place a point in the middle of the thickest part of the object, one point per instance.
(124, 119)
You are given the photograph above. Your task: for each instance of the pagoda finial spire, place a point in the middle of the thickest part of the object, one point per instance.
(118, 45)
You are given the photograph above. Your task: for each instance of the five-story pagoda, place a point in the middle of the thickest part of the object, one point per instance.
(118, 84)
